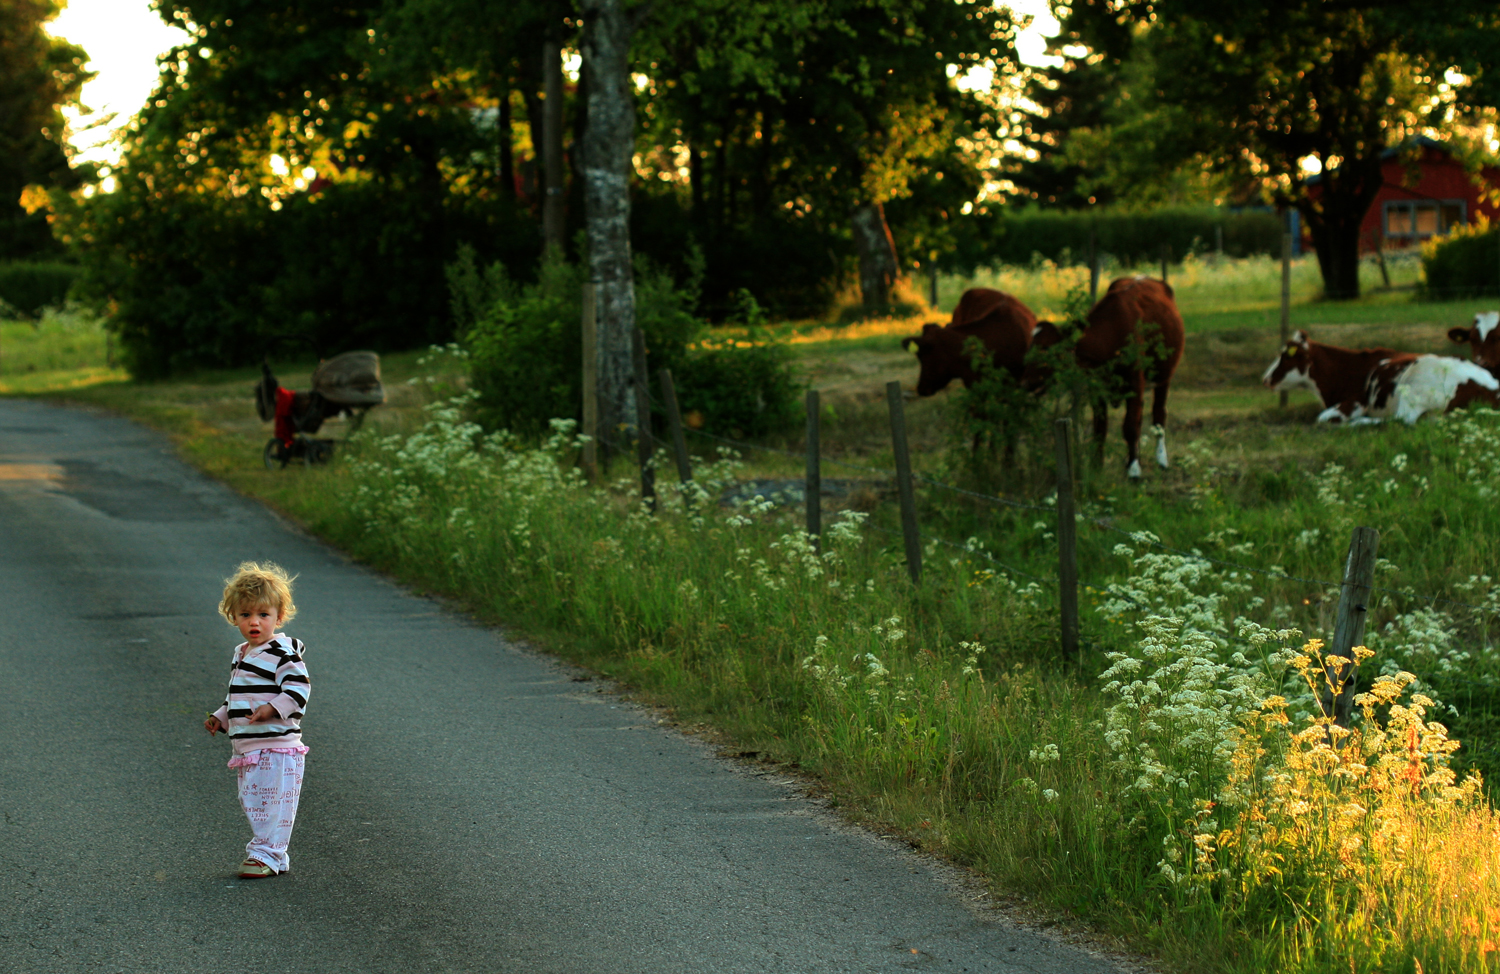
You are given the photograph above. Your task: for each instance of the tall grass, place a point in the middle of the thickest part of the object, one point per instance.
(1183, 786)
(65, 347)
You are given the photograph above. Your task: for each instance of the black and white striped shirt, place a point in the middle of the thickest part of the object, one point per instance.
(272, 673)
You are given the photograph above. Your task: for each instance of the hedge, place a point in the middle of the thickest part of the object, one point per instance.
(1465, 263)
(1133, 237)
(30, 287)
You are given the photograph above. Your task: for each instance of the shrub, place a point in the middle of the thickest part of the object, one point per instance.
(1463, 263)
(30, 287)
(739, 391)
(526, 344)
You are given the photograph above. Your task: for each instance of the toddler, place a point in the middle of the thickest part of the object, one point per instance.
(262, 712)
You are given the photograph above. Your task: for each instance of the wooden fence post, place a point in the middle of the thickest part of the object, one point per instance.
(679, 439)
(1067, 543)
(813, 486)
(1093, 269)
(644, 447)
(903, 483)
(1166, 255)
(1218, 243)
(1286, 290)
(1349, 624)
(590, 384)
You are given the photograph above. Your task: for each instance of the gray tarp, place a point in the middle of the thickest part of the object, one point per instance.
(350, 379)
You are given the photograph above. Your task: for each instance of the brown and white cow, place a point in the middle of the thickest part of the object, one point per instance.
(1136, 333)
(1000, 322)
(1370, 384)
(1483, 339)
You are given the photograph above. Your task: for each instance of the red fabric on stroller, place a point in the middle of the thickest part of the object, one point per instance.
(285, 431)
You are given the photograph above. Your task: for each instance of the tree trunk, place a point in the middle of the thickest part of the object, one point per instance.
(608, 147)
(553, 211)
(505, 146)
(877, 257)
(1334, 218)
(533, 180)
(1337, 246)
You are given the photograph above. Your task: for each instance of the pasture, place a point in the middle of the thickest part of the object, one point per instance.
(1121, 788)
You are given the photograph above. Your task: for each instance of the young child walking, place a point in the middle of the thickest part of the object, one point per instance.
(262, 712)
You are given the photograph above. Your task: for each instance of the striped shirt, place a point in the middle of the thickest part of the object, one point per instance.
(272, 673)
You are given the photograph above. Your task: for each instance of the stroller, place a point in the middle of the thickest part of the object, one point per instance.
(347, 384)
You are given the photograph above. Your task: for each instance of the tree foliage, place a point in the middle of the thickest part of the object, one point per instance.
(1257, 93)
(39, 74)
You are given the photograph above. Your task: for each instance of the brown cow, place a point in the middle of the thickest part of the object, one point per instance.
(1135, 313)
(1369, 384)
(1003, 324)
(1483, 340)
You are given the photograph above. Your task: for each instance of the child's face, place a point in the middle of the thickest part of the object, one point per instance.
(257, 623)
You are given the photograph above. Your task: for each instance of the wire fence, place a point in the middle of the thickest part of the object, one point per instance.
(1140, 538)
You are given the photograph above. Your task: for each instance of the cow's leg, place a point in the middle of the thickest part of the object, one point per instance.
(1131, 428)
(1101, 430)
(1159, 422)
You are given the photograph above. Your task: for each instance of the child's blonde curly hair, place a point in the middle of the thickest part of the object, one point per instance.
(255, 584)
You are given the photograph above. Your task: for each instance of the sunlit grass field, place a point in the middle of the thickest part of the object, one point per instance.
(1174, 786)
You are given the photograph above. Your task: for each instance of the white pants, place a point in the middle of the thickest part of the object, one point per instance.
(269, 793)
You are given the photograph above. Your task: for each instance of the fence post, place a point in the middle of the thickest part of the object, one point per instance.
(679, 439)
(1067, 542)
(903, 482)
(1166, 255)
(1349, 624)
(932, 295)
(590, 384)
(1218, 243)
(813, 486)
(1286, 290)
(644, 446)
(1093, 269)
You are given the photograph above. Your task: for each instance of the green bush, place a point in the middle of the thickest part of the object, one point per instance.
(525, 344)
(739, 391)
(1133, 237)
(30, 287)
(1462, 264)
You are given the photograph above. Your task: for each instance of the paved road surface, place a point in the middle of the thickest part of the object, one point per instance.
(468, 806)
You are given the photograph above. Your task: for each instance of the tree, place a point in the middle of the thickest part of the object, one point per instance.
(38, 75)
(1272, 94)
(824, 113)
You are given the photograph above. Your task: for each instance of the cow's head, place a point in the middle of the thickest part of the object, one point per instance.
(1292, 367)
(1483, 339)
(939, 352)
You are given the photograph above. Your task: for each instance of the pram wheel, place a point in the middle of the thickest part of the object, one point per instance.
(317, 451)
(275, 454)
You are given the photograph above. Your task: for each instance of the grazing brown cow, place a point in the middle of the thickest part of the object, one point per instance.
(1483, 339)
(1136, 313)
(1367, 385)
(1003, 324)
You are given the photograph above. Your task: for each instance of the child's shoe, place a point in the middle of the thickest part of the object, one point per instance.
(255, 869)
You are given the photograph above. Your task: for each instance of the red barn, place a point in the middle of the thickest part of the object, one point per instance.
(1424, 197)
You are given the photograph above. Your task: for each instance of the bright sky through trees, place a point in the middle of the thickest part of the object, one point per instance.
(123, 39)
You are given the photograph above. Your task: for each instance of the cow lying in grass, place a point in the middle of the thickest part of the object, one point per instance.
(1370, 384)
(1483, 339)
(1132, 337)
(1002, 325)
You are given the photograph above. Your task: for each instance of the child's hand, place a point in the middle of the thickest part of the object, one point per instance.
(264, 713)
(213, 726)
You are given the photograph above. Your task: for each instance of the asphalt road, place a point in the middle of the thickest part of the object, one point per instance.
(468, 805)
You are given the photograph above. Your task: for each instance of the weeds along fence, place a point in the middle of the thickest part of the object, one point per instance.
(1356, 587)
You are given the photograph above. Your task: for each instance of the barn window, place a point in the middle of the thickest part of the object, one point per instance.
(1423, 218)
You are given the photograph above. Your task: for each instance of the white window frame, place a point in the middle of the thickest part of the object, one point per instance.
(1410, 208)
